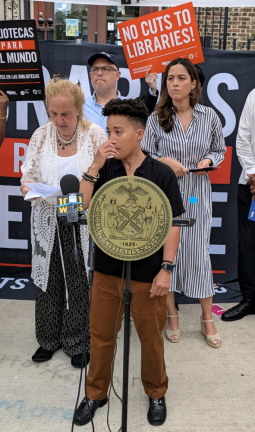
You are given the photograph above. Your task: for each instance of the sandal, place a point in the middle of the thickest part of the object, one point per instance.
(169, 332)
(210, 338)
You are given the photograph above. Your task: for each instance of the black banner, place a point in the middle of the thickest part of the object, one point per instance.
(21, 76)
(229, 79)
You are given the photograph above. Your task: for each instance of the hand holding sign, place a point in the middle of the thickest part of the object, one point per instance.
(151, 80)
(152, 41)
(4, 101)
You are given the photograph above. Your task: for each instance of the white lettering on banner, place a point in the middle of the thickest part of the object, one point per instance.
(10, 33)
(217, 249)
(19, 283)
(134, 86)
(7, 216)
(17, 157)
(144, 31)
(80, 73)
(133, 31)
(220, 290)
(21, 57)
(5, 280)
(22, 113)
(46, 75)
(219, 196)
(177, 14)
(40, 110)
(170, 25)
(216, 222)
(186, 16)
(219, 103)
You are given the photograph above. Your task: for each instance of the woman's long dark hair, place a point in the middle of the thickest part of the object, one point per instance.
(165, 106)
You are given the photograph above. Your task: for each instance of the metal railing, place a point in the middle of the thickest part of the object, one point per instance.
(45, 31)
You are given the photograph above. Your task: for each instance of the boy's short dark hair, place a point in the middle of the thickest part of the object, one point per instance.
(134, 109)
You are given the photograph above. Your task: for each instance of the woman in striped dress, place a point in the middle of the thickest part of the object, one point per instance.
(184, 134)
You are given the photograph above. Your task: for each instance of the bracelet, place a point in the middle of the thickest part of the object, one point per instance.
(93, 177)
(3, 118)
(89, 181)
(171, 262)
(89, 178)
(160, 158)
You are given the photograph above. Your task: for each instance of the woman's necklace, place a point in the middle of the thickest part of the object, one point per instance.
(64, 143)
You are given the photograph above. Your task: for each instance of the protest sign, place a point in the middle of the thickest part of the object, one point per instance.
(153, 40)
(21, 76)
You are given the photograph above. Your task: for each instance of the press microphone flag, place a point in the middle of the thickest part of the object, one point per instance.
(70, 204)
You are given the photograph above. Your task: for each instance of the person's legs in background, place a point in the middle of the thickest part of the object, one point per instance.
(246, 258)
(49, 309)
(72, 324)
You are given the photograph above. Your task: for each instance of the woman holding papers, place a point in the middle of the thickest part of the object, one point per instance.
(185, 135)
(65, 145)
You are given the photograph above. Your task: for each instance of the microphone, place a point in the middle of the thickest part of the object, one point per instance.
(69, 183)
(70, 186)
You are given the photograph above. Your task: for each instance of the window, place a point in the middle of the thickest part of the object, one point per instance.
(116, 15)
(70, 11)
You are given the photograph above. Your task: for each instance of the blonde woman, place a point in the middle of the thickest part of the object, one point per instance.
(67, 144)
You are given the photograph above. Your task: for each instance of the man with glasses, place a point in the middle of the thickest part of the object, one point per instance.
(104, 74)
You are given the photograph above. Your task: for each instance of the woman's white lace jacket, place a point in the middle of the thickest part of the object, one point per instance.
(41, 166)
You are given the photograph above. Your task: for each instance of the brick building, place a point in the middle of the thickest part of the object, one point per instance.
(240, 25)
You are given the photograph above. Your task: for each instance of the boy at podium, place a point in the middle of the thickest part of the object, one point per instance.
(122, 156)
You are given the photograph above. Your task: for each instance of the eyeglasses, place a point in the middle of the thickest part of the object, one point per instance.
(104, 69)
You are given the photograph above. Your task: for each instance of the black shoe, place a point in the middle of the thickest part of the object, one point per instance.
(157, 412)
(42, 355)
(76, 360)
(245, 307)
(84, 414)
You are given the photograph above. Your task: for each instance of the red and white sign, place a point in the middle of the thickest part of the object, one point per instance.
(12, 155)
(153, 40)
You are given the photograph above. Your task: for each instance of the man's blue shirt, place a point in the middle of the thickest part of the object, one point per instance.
(93, 111)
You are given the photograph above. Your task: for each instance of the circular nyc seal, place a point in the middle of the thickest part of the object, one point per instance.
(129, 218)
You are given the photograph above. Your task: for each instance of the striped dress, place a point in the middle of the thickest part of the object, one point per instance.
(203, 139)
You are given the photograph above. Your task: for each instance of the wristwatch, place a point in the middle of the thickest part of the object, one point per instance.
(168, 267)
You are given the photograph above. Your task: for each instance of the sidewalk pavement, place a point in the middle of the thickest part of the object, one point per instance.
(210, 390)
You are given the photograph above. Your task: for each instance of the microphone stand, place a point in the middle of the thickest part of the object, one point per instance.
(75, 247)
(127, 302)
(91, 260)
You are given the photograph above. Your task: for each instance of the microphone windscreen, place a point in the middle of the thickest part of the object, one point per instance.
(69, 184)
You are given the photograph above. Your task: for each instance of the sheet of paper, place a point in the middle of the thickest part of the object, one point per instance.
(42, 190)
(218, 310)
(31, 195)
